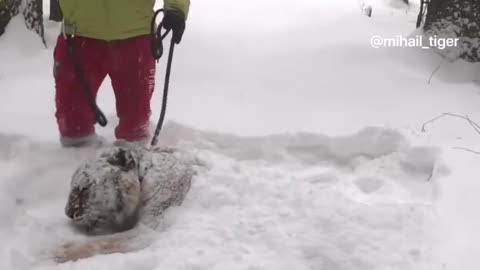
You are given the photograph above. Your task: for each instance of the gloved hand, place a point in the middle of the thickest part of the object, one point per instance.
(174, 20)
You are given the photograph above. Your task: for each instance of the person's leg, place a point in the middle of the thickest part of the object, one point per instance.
(75, 119)
(132, 71)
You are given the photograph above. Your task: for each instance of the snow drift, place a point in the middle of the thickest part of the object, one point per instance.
(298, 201)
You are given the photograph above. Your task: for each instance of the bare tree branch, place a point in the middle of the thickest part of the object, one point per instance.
(430, 176)
(431, 121)
(468, 150)
(474, 125)
(435, 71)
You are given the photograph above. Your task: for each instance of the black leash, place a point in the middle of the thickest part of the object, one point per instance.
(157, 51)
(99, 116)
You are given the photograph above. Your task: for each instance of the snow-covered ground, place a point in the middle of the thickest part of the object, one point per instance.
(312, 138)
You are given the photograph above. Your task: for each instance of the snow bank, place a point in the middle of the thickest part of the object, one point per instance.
(369, 143)
(292, 201)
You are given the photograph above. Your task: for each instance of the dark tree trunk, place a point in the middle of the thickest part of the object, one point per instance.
(456, 19)
(33, 14)
(55, 11)
(8, 9)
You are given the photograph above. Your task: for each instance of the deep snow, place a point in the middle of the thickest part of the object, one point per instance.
(347, 181)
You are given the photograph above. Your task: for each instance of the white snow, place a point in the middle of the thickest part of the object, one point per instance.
(312, 139)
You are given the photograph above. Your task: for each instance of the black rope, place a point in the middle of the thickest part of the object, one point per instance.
(165, 95)
(99, 116)
(157, 51)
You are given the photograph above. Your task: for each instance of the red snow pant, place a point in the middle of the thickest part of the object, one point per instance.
(131, 68)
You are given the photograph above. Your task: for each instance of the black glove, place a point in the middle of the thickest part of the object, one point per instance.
(175, 21)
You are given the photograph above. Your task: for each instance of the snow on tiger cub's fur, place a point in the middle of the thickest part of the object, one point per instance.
(125, 189)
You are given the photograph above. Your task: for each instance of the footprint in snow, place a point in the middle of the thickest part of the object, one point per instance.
(369, 184)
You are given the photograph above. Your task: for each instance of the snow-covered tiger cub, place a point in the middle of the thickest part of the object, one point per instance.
(125, 188)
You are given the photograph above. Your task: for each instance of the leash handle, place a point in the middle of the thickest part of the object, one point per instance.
(100, 117)
(156, 36)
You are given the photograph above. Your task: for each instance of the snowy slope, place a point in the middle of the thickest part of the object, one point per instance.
(347, 181)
